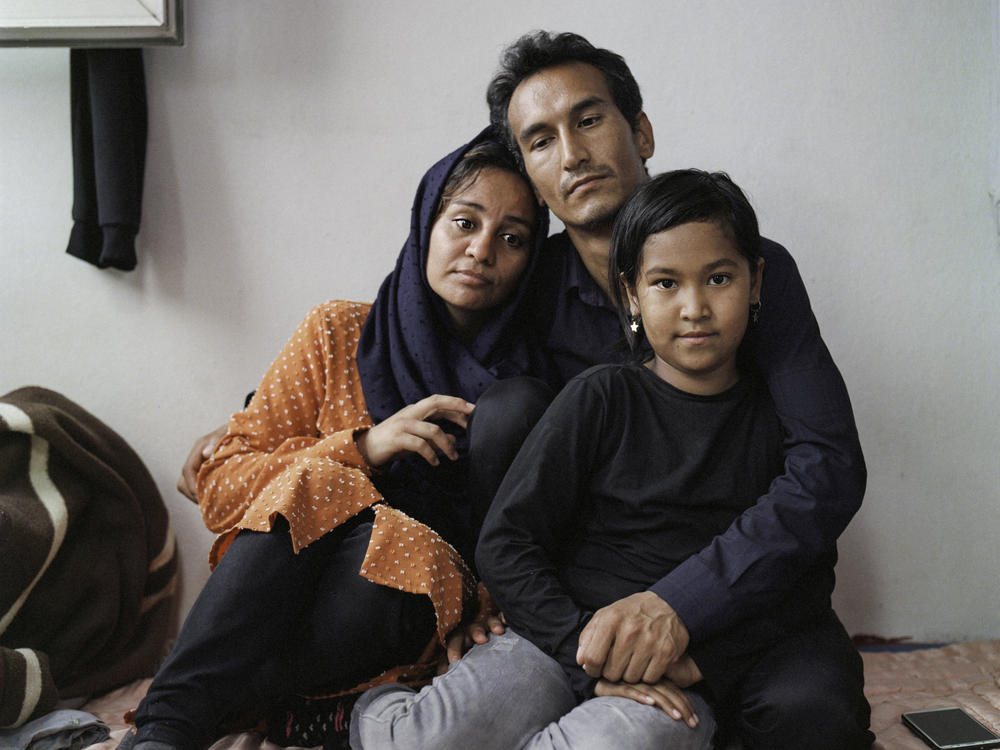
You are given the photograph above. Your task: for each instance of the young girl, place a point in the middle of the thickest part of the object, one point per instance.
(339, 492)
(638, 469)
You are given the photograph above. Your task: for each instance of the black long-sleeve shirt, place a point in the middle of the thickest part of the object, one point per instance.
(623, 480)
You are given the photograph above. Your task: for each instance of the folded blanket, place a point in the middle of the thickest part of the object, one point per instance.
(89, 569)
(59, 730)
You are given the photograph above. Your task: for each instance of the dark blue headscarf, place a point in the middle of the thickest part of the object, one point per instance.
(409, 350)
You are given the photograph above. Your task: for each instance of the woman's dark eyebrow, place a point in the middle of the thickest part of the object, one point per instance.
(469, 204)
(518, 220)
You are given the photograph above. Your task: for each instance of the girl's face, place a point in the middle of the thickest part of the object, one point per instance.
(694, 291)
(480, 245)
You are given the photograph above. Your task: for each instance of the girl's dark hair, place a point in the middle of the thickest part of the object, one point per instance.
(485, 154)
(669, 200)
(540, 50)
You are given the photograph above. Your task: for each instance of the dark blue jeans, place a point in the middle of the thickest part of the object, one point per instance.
(270, 623)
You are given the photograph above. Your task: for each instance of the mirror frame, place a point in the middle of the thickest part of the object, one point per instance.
(50, 27)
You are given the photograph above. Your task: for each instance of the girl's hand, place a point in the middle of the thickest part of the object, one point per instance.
(664, 694)
(410, 430)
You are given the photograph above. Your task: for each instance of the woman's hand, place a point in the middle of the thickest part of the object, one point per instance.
(488, 619)
(410, 430)
(466, 636)
(201, 451)
(664, 694)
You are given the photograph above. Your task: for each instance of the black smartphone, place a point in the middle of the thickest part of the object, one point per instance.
(944, 728)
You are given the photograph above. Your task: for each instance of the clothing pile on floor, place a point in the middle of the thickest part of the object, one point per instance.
(86, 587)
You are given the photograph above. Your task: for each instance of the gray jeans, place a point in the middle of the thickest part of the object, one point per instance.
(507, 694)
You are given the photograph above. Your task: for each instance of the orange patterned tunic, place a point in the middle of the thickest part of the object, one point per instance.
(292, 453)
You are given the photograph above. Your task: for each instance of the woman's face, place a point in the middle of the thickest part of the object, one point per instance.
(480, 245)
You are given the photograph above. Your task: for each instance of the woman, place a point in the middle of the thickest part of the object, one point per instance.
(351, 459)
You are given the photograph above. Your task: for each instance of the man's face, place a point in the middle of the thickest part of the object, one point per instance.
(584, 159)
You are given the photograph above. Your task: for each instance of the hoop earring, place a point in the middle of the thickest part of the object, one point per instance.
(755, 308)
(635, 323)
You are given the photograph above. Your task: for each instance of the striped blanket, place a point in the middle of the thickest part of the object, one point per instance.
(87, 566)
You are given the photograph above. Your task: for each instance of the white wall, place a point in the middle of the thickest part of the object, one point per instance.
(286, 140)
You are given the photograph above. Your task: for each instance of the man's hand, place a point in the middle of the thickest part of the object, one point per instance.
(633, 640)
(664, 694)
(202, 449)
(684, 672)
(410, 430)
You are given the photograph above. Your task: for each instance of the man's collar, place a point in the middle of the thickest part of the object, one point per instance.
(576, 274)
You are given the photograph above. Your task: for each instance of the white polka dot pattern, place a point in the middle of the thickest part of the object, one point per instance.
(406, 554)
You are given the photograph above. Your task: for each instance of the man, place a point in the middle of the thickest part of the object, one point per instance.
(574, 114)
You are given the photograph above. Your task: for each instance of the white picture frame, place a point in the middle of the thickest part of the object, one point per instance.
(91, 23)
